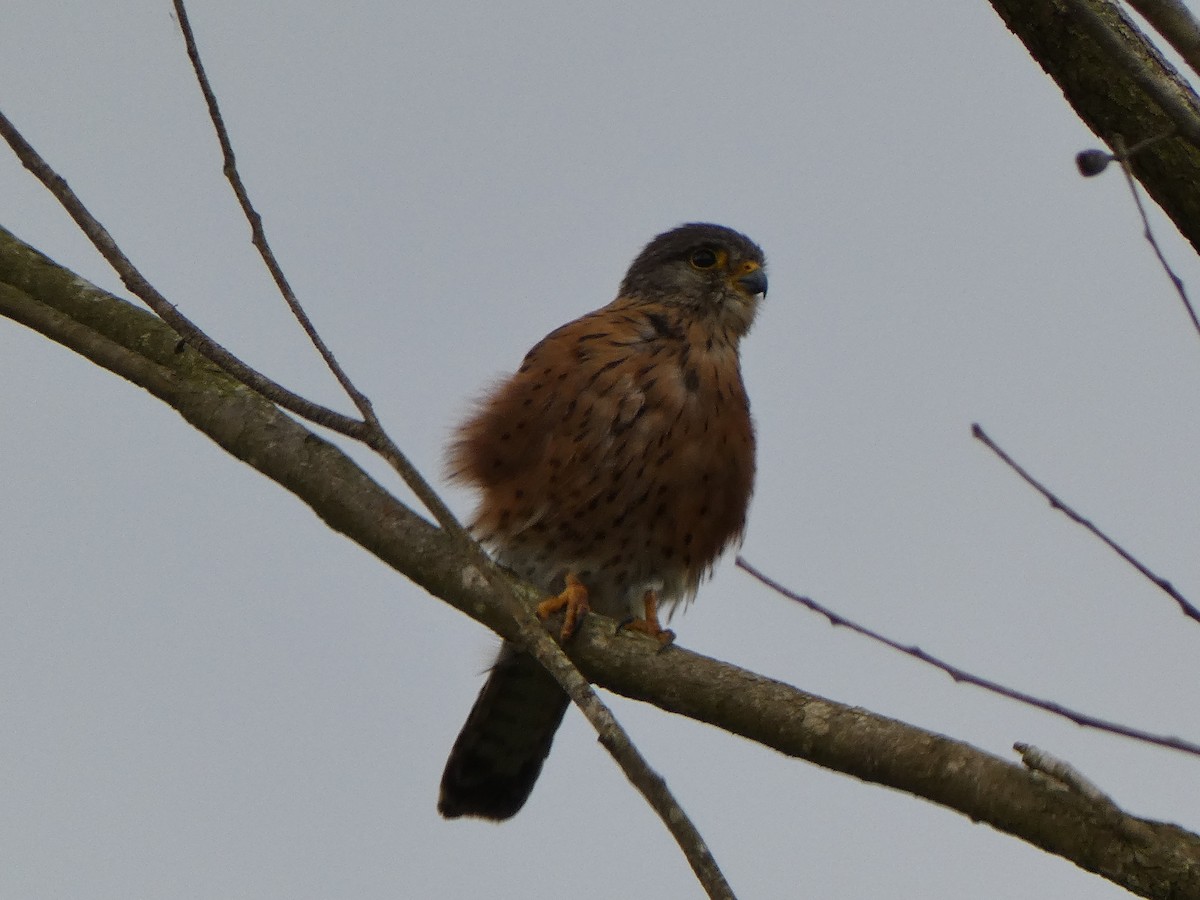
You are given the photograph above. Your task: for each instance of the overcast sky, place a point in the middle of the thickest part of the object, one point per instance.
(205, 693)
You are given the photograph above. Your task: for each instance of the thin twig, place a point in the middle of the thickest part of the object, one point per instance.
(1161, 583)
(620, 746)
(1092, 161)
(960, 675)
(1122, 157)
(377, 438)
(148, 294)
(258, 234)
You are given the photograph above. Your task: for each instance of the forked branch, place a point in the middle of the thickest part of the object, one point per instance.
(528, 632)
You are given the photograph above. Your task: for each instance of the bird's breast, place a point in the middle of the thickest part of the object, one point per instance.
(637, 466)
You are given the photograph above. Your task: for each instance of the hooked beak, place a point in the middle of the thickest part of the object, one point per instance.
(754, 281)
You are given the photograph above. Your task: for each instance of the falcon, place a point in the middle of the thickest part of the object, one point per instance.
(612, 468)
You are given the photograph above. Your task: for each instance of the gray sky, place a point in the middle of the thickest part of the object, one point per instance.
(205, 693)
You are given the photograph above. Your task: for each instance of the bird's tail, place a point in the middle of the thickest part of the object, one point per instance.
(499, 753)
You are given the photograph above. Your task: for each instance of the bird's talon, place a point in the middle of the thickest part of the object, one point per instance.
(573, 599)
(649, 624)
(664, 636)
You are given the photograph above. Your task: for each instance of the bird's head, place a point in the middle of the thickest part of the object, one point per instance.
(714, 273)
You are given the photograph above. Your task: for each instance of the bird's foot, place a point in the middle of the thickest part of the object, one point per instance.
(573, 599)
(649, 624)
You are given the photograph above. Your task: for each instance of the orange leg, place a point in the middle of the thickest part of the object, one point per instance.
(649, 624)
(574, 599)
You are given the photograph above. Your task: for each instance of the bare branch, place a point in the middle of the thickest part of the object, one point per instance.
(1114, 79)
(620, 746)
(148, 294)
(965, 677)
(1123, 156)
(1162, 584)
(530, 633)
(533, 637)
(1174, 21)
(258, 233)
(374, 435)
(1115, 34)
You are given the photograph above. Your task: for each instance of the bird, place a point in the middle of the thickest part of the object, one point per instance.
(612, 470)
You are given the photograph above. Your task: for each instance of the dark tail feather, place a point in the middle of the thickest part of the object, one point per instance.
(499, 753)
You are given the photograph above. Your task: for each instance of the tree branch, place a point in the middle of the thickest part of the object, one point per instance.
(1174, 21)
(1185, 606)
(964, 677)
(373, 434)
(1119, 84)
(141, 348)
(1149, 858)
(533, 637)
(148, 294)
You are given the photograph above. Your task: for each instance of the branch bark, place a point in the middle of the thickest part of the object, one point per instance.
(1151, 859)
(1174, 21)
(1118, 83)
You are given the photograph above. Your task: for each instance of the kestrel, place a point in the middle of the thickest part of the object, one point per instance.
(613, 469)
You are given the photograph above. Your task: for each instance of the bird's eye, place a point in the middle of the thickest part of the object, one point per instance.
(704, 259)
